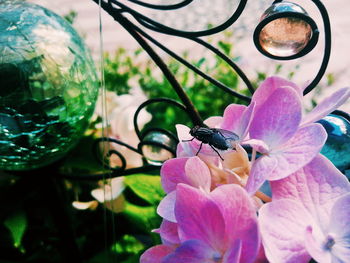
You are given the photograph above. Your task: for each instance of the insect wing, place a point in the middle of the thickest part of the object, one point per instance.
(230, 137)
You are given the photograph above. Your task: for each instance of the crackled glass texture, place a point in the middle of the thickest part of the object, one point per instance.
(48, 86)
(285, 36)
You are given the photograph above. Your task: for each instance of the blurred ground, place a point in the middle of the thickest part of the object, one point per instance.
(203, 11)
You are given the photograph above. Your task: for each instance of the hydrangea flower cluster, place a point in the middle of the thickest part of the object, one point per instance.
(214, 210)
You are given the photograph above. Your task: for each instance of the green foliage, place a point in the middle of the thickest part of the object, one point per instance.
(17, 224)
(147, 187)
(123, 70)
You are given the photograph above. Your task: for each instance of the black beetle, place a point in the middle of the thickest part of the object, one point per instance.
(216, 138)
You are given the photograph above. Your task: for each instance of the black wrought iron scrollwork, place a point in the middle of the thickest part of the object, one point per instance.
(136, 27)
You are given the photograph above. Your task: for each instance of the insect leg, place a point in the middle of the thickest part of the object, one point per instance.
(188, 140)
(216, 152)
(200, 147)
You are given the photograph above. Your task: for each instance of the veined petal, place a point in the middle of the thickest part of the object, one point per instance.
(314, 248)
(269, 85)
(316, 186)
(172, 173)
(198, 174)
(166, 207)
(214, 121)
(183, 132)
(193, 251)
(298, 151)
(232, 117)
(282, 225)
(199, 217)
(156, 254)
(168, 232)
(240, 218)
(277, 120)
(339, 228)
(327, 106)
(260, 171)
(233, 255)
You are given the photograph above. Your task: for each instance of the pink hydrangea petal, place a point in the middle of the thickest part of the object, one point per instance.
(198, 217)
(192, 251)
(232, 117)
(240, 218)
(166, 207)
(269, 86)
(233, 254)
(198, 174)
(156, 254)
(277, 120)
(172, 173)
(246, 120)
(183, 132)
(214, 121)
(314, 248)
(282, 225)
(339, 227)
(327, 106)
(299, 150)
(168, 232)
(261, 169)
(259, 145)
(316, 186)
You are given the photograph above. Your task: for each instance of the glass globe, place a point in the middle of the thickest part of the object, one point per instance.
(337, 147)
(48, 86)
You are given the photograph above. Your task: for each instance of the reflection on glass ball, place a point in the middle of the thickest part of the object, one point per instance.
(285, 35)
(48, 86)
(337, 147)
(157, 147)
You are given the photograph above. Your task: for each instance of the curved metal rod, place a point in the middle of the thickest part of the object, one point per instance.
(150, 101)
(201, 73)
(111, 152)
(191, 110)
(113, 174)
(327, 47)
(171, 31)
(162, 7)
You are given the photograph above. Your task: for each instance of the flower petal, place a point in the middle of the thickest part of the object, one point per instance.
(261, 169)
(314, 249)
(316, 186)
(198, 174)
(282, 225)
(327, 106)
(298, 151)
(277, 120)
(168, 232)
(232, 117)
(156, 254)
(166, 207)
(233, 255)
(193, 251)
(339, 227)
(199, 217)
(269, 86)
(240, 218)
(172, 173)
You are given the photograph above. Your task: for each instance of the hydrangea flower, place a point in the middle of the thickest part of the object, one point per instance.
(220, 226)
(309, 216)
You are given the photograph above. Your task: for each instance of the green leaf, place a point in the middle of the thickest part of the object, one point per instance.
(148, 187)
(17, 224)
(128, 244)
(143, 218)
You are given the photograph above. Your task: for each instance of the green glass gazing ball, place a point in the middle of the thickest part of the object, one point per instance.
(48, 86)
